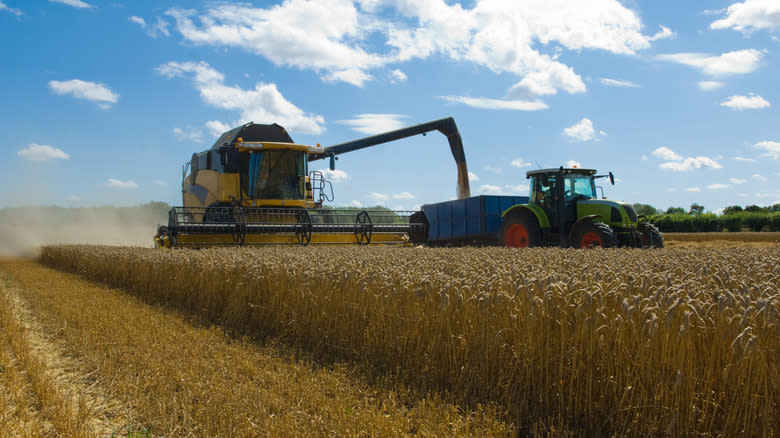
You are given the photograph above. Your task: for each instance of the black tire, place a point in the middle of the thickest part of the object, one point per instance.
(592, 234)
(651, 236)
(419, 235)
(520, 229)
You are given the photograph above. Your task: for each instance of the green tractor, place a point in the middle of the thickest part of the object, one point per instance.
(563, 210)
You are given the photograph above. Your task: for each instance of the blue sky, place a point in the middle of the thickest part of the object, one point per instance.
(103, 101)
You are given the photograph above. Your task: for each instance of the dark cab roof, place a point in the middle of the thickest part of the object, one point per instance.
(254, 132)
(565, 170)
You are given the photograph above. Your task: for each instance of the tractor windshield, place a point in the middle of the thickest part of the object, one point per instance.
(579, 186)
(277, 174)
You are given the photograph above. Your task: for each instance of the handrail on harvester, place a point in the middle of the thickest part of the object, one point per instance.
(446, 126)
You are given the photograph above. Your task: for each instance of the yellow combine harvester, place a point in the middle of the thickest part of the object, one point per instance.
(254, 187)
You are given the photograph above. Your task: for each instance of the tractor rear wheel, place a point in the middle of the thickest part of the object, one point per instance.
(593, 234)
(651, 236)
(520, 229)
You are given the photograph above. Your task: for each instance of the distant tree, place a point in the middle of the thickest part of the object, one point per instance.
(675, 210)
(647, 210)
(754, 209)
(776, 207)
(696, 209)
(732, 209)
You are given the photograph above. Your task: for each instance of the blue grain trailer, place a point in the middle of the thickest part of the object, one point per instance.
(468, 221)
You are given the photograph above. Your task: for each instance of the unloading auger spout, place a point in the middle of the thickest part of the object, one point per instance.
(446, 126)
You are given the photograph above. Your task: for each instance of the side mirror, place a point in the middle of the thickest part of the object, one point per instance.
(612, 178)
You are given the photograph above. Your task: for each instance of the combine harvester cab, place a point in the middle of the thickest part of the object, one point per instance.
(254, 187)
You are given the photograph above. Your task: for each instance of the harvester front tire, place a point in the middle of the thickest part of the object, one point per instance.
(651, 236)
(520, 229)
(593, 234)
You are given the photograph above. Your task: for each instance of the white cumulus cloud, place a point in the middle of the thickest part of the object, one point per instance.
(582, 131)
(710, 85)
(403, 195)
(737, 180)
(75, 3)
(159, 28)
(731, 63)
(473, 177)
(398, 76)
(746, 102)
(138, 20)
(375, 123)
(216, 128)
(667, 154)
(91, 91)
(572, 163)
(334, 175)
(663, 34)
(502, 36)
(618, 83)
(770, 148)
(718, 186)
(42, 152)
(678, 163)
(378, 197)
(490, 189)
(691, 163)
(323, 36)
(188, 133)
(263, 104)
(750, 15)
(519, 163)
(4, 7)
(118, 184)
(497, 104)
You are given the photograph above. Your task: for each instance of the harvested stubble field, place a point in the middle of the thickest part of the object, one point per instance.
(723, 240)
(682, 341)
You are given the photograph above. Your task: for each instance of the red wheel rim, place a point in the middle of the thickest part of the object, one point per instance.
(516, 236)
(591, 239)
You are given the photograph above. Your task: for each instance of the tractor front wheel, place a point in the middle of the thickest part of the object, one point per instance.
(520, 229)
(593, 234)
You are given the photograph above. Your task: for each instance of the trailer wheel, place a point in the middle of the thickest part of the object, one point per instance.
(418, 228)
(593, 234)
(520, 229)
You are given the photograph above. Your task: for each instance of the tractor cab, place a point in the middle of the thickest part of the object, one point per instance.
(557, 191)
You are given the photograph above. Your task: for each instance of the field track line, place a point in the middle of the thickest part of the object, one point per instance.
(19, 413)
(92, 406)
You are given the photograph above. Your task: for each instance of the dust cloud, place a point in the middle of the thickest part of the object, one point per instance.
(23, 230)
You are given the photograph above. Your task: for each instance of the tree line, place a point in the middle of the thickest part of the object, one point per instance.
(734, 218)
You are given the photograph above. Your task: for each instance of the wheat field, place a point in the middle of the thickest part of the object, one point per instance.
(78, 359)
(562, 342)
